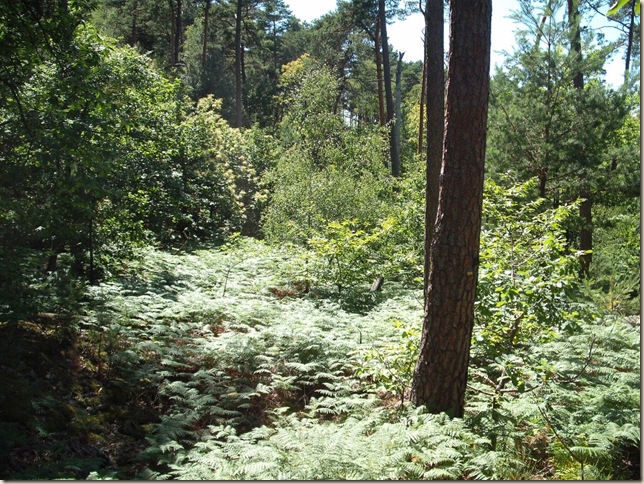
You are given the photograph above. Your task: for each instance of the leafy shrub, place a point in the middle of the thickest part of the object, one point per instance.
(106, 155)
(345, 254)
(348, 253)
(614, 282)
(528, 288)
(389, 367)
(328, 171)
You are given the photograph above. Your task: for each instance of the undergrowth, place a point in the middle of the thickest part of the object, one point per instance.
(224, 364)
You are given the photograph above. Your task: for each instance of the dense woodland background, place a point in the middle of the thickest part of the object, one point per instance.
(196, 196)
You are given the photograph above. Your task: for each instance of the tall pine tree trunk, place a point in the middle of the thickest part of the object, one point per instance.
(389, 97)
(177, 28)
(396, 165)
(585, 208)
(440, 375)
(434, 52)
(382, 117)
(239, 115)
(204, 45)
(134, 25)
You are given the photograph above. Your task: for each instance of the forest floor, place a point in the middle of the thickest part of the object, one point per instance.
(209, 346)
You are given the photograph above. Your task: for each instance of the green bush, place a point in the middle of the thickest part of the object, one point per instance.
(614, 282)
(346, 256)
(528, 288)
(328, 172)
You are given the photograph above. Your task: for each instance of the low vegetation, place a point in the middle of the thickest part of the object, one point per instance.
(216, 363)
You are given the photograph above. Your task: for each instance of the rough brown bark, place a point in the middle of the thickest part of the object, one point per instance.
(440, 375)
(434, 52)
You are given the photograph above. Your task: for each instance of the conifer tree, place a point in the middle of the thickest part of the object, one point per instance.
(440, 376)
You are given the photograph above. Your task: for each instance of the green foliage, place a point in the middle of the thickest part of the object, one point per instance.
(211, 366)
(346, 255)
(614, 282)
(104, 155)
(222, 359)
(328, 171)
(364, 447)
(598, 360)
(578, 139)
(533, 107)
(558, 400)
(221, 362)
(352, 252)
(403, 229)
(528, 289)
(137, 23)
(388, 368)
(534, 104)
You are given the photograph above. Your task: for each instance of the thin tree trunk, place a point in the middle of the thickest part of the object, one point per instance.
(239, 118)
(440, 375)
(179, 36)
(173, 33)
(381, 96)
(585, 208)
(547, 13)
(389, 98)
(629, 45)
(396, 166)
(133, 25)
(176, 48)
(573, 19)
(92, 272)
(204, 45)
(421, 114)
(543, 180)
(337, 105)
(586, 233)
(434, 32)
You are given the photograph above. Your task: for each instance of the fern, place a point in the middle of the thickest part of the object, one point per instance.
(250, 386)
(495, 465)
